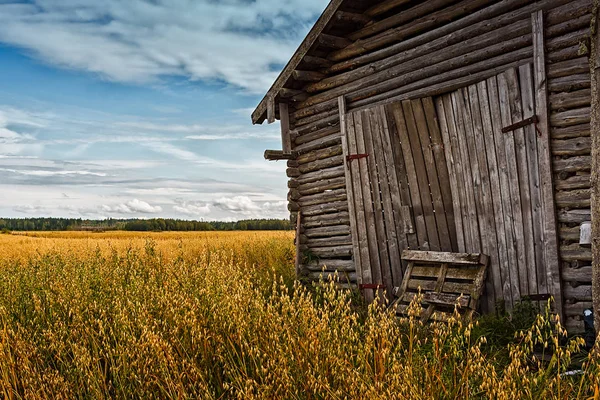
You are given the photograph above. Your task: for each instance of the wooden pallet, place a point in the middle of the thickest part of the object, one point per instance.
(445, 279)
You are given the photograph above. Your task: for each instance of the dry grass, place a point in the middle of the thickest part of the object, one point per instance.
(216, 315)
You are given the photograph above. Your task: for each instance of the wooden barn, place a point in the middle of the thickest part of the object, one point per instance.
(442, 125)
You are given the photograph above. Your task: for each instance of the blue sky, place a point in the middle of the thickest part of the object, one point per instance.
(141, 108)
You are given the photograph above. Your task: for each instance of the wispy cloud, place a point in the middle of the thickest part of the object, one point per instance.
(234, 41)
(132, 207)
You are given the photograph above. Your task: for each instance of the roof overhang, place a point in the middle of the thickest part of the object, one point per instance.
(260, 113)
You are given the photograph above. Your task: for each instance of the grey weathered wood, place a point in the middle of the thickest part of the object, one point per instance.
(489, 240)
(321, 186)
(504, 194)
(413, 185)
(548, 211)
(573, 182)
(307, 76)
(327, 231)
(298, 244)
(437, 147)
(576, 99)
(385, 165)
(462, 118)
(527, 271)
(446, 118)
(536, 269)
(488, 127)
(570, 117)
(324, 197)
(371, 128)
(316, 176)
(333, 42)
(518, 272)
(274, 155)
(324, 208)
(338, 218)
(361, 224)
(284, 119)
(361, 129)
(567, 68)
(435, 192)
(431, 238)
(270, 109)
(445, 257)
(398, 178)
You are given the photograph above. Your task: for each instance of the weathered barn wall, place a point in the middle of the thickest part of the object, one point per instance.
(427, 49)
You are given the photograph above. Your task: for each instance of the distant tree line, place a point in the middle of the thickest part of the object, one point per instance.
(143, 225)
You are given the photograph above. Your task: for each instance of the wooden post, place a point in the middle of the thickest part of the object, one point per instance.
(298, 244)
(545, 166)
(284, 119)
(595, 132)
(271, 110)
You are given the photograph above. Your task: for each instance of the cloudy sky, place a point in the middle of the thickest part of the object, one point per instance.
(141, 108)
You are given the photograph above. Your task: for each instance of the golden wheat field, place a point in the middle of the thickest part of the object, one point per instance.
(218, 315)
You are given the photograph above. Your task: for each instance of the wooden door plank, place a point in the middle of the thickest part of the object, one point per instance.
(361, 222)
(516, 111)
(551, 259)
(498, 213)
(391, 196)
(489, 240)
(537, 284)
(509, 280)
(413, 185)
(435, 191)
(448, 128)
(437, 146)
(350, 192)
(361, 125)
(403, 218)
(433, 241)
(518, 271)
(458, 106)
(371, 129)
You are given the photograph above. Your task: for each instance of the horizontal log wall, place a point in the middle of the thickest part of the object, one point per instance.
(569, 103)
(427, 49)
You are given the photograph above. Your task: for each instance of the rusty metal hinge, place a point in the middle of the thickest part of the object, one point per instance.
(527, 121)
(351, 157)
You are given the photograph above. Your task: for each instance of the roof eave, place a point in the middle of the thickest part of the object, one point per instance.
(260, 113)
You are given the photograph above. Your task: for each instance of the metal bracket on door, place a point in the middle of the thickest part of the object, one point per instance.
(527, 121)
(351, 157)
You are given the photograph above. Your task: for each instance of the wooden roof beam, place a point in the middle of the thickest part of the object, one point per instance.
(317, 61)
(308, 76)
(333, 42)
(384, 7)
(351, 17)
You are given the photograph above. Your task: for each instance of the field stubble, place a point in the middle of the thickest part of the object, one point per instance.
(218, 315)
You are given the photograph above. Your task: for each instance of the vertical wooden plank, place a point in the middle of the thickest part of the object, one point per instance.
(270, 110)
(350, 193)
(298, 244)
(437, 146)
(411, 174)
(361, 130)
(547, 191)
(421, 178)
(458, 106)
(501, 291)
(390, 194)
(448, 128)
(516, 111)
(403, 212)
(507, 272)
(537, 285)
(374, 130)
(284, 119)
(489, 240)
(361, 223)
(435, 191)
(518, 271)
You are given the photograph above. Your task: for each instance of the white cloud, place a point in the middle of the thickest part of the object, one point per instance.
(235, 41)
(245, 206)
(132, 207)
(193, 209)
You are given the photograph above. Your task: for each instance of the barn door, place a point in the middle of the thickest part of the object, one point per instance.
(398, 190)
(491, 143)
